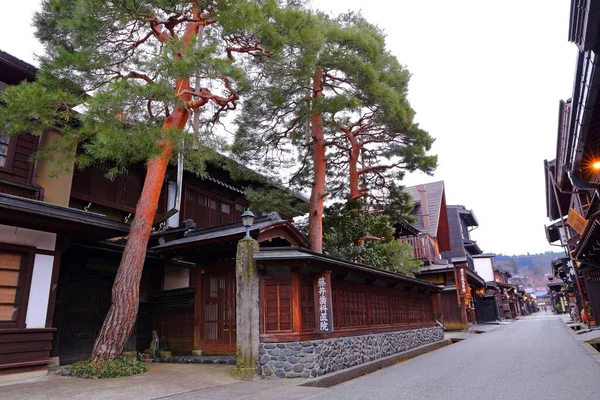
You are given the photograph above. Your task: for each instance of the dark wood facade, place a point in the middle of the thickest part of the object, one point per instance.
(25, 350)
(288, 312)
(16, 166)
(363, 302)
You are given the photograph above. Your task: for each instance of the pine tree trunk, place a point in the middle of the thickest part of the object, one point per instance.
(121, 317)
(118, 323)
(315, 216)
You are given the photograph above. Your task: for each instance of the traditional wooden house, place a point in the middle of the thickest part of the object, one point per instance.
(509, 293)
(36, 222)
(488, 306)
(572, 178)
(367, 314)
(61, 240)
(440, 238)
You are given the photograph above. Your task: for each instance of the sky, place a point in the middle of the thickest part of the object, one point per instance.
(486, 81)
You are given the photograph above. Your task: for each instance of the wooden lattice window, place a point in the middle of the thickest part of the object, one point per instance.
(278, 308)
(16, 264)
(307, 303)
(364, 306)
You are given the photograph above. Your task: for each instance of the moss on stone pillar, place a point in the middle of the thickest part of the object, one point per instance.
(247, 309)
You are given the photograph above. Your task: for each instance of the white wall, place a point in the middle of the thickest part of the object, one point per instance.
(39, 292)
(484, 268)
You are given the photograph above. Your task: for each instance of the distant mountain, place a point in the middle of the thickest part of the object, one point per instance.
(533, 266)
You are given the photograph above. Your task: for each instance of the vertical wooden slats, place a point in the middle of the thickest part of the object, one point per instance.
(218, 313)
(278, 308)
(355, 306)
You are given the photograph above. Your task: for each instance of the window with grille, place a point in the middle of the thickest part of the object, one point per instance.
(15, 270)
(307, 303)
(278, 310)
(4, 139)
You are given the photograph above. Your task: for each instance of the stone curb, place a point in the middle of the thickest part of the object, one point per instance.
(592, 352)
(335, 378)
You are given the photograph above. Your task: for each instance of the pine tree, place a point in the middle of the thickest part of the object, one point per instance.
(345, 114)
(139, 71)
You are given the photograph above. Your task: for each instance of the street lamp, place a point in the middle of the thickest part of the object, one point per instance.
(247, 221)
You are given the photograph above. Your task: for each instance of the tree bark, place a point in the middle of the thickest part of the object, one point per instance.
(121, 317)
(118, 323)
(315, 216)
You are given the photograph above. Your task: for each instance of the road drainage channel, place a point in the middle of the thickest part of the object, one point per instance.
(595, 345)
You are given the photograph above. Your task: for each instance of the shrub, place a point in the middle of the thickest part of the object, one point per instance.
(121, 366)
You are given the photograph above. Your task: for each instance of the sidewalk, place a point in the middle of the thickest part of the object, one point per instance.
(161, 380)
(583, 336)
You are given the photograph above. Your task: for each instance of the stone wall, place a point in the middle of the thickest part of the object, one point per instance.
(317, 357)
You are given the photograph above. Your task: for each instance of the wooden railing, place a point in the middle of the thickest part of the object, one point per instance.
(424, 247)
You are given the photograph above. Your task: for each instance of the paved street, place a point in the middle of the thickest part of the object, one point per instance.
(533, 358)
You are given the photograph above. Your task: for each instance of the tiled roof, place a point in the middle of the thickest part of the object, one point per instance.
(226, 230)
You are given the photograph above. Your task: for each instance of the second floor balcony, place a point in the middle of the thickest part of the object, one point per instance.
(424, 247)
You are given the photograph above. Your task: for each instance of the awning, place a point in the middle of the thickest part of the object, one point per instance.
(474, 279)
(472, 247)
(46, 217)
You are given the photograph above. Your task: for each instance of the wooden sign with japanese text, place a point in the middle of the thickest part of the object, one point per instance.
(323, 308)
(576, 221)
(462, 280)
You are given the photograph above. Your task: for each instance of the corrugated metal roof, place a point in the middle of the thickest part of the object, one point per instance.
(433, 192)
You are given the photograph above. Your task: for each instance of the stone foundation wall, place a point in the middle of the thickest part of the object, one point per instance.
(317, 357)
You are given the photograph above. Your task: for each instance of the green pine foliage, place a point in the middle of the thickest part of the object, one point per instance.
(345, 225)
(364, 85)
(107, 83)
(275, 199)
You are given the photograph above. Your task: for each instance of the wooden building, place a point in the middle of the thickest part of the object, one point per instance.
(572, 178)
(440, 238)
(378, 313)
(488, 306)
(35, 224)
(61, 241)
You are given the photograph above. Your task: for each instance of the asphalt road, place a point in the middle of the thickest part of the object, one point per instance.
(533, 358)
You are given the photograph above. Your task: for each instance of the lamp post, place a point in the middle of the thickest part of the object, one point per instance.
(247, 221)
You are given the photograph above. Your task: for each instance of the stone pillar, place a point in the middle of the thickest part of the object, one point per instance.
(247, 309)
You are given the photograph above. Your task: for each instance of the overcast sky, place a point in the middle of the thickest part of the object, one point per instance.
(487, 78)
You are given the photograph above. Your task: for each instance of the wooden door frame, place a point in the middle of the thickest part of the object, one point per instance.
(199, 305)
